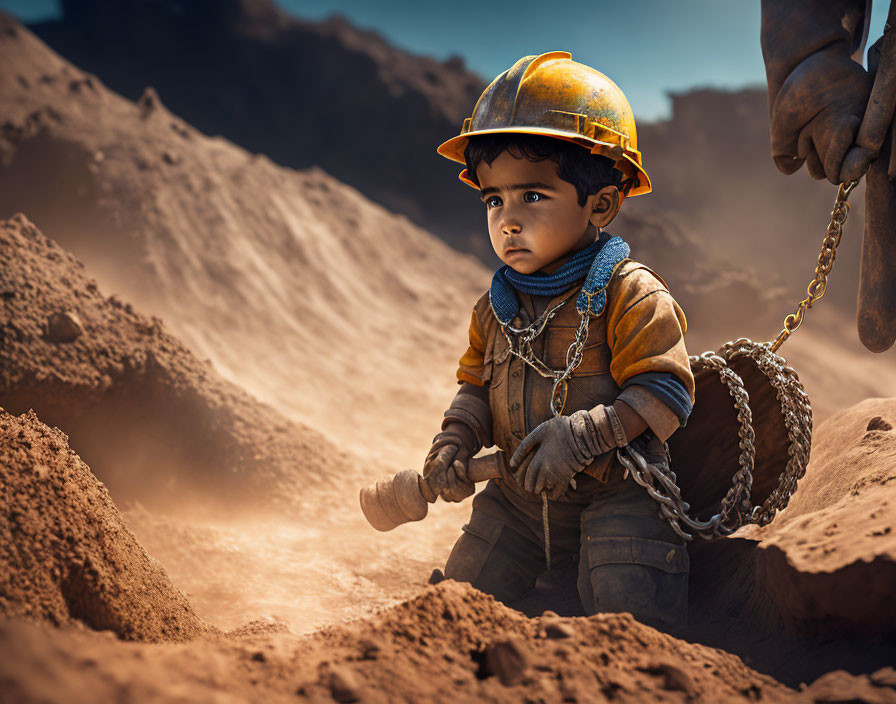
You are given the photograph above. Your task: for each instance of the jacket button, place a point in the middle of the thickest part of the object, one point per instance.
(515, 407)
(515, 375)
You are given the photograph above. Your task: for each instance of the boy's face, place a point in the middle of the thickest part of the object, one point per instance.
(534, 216)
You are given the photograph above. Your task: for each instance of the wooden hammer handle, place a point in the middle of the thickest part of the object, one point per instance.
(479, 469)
(483, 468)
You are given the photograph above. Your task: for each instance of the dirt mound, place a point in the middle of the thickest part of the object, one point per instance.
(155, 423)
(66, 555)
(469, 644)
(817, 580)
(836, 537)
(451, 639)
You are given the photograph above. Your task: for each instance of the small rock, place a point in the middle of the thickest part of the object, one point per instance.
(556, 628)
(148, 102)
(886, 676)
(369, 649)
(64, 327)
(508, 660)
(437, 576)
(343, 685)
(259, 656)
(878, 423)
(674, 678)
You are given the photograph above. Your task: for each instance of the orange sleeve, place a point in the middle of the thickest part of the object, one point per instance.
(645, 328)
(472, 365)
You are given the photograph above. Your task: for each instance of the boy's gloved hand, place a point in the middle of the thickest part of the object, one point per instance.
(564, 445)
(445, 467)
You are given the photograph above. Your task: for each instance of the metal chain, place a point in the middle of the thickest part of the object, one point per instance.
(520, 340)
(795, 407)
(818, 285)
(736, 507)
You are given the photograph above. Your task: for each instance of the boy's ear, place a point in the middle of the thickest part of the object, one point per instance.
(604, 205)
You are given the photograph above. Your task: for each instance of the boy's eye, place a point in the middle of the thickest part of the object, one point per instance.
(532, 197)
(492, 201)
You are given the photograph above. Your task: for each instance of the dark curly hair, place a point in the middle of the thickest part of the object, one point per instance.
(587, 172)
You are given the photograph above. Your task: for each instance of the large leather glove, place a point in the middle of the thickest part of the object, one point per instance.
(837, 93)
(817, 92)
(562, 446)
(445, 468)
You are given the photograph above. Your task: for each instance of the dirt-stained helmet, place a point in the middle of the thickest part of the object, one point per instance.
(555, 96)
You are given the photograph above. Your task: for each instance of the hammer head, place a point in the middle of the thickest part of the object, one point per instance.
(391, 502)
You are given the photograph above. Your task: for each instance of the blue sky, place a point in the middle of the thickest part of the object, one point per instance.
(648, 47)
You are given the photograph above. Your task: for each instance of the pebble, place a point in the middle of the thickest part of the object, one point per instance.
(508, 660)
(555, 628)
(64, 327)
(344, 685)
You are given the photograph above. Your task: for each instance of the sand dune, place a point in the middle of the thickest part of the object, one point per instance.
(252, 514)
(156, 424)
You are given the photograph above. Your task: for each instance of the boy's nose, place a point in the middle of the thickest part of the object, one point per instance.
(510, 227)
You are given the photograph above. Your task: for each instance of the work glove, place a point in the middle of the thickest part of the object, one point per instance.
(445, 468)
(550, 456)
(836, 93)
(817, 93)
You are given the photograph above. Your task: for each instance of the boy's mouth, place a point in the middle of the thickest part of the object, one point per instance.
(514, 250)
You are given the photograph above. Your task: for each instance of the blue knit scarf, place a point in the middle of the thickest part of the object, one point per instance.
(595, 264)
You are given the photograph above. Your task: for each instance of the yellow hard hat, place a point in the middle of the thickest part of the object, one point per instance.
(555, 96)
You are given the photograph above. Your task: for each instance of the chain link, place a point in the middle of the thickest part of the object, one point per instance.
(519, 342)
(817, 287)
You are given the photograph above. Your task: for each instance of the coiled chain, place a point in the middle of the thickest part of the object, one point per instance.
(736, 507)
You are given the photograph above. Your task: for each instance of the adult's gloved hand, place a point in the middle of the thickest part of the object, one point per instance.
(817, 114)
(445, 468)
(817, 93)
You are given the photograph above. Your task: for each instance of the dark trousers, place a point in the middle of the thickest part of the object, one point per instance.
(629, 559)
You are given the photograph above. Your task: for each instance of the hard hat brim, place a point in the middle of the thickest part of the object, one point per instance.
(453, 149)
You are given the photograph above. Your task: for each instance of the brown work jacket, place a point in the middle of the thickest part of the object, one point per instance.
(641, 329)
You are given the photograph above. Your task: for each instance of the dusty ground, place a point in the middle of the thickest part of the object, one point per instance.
(449, 638)
(81, 581)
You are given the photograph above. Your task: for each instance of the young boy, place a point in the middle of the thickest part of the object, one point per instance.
(575, 351)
